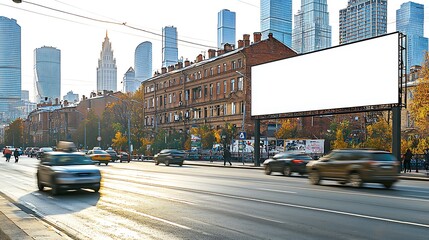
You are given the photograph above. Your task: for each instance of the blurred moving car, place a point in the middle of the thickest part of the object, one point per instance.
(287, 163)
(67, 170)
(99, 156)
(169, 156)
(113, 155)
(33, 152)
(124, 157)
(42, 151)
(355, 166)
(27, 151)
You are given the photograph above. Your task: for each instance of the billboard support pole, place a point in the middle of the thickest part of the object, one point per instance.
(396, 132)
(257, 153)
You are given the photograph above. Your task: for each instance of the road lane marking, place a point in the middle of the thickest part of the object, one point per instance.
(323, 210)
(273, 190)
(150, 216)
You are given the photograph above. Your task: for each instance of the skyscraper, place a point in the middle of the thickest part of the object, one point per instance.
(107, 71)
(410, 21)
(170, 52)
(47, 74)
(143, 61)
(276, 18)
(312, 30)
(130, 83)
(10, 67)
(362, 19)
(225, 28)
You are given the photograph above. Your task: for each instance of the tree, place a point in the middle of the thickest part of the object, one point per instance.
(379, 135)
(419, 106)
(341, 130)
(14, 135)
(119, 141)
(288, 129)
(207, 136)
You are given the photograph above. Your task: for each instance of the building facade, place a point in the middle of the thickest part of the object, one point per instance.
(130, 82)
(10, 68)
(276, 18)
(170, 51)
(362, 19)
(143, 61)
(107, 78)
(212, 91)
(47, 74)
(312, 30)
(410, 21)
(225, 28)
(71, 97)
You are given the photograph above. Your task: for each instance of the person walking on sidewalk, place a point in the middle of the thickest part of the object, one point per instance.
(407, 160)
(16, 154)
(7, 153)
(226, 156)
(426, 152)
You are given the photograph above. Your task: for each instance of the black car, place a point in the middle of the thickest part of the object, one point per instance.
(42, 151)
(170, 156)
(124, 157)
(287, 163)
(112, 154)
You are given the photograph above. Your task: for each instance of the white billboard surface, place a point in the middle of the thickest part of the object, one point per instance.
(364, 73)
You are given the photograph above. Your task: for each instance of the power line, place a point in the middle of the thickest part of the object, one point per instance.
(117, 24)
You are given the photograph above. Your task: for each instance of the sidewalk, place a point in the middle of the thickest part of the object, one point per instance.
(422, 175)
(17, 224)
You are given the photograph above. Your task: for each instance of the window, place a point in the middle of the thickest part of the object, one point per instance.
(240, 84)
(240, 63)
(206, 73)
(218, 69)
(224, 67)
(211, 90)
(225, 109)
(218, 88)
(199, 75)
(233, 108)
(205, 90)
(170, 98)
(211, 71)
(224, 86)
(232, 87)
(233, 66)
(174, 97)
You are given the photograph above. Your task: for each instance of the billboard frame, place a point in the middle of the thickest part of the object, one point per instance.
(402, 88)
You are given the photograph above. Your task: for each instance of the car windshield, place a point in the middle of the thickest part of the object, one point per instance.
(100, 152)
(65, 160)
(47, 149)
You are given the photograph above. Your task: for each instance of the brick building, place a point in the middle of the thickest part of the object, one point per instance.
(211, 91)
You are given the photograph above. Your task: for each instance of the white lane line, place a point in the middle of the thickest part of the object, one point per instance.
(150, 216)
(359, 194)
(273, 190)
(324, 210)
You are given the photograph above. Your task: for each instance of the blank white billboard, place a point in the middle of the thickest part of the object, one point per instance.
(364, 73)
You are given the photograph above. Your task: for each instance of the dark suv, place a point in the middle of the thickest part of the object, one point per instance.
(169, 156)
(355, 166)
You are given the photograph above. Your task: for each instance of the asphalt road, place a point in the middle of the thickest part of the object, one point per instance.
(139, 200)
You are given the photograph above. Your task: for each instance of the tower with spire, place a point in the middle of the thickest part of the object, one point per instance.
(107, 71)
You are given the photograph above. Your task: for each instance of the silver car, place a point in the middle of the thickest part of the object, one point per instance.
(67, 170)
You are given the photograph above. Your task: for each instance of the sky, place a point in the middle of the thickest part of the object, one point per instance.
(80, 39)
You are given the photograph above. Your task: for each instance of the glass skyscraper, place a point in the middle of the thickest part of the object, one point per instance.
(107, 71)
(10, 68)
(362, 19)
(47, 74)
(170, 52)
(276, 18)
(225, 28)
(131, 84)
(410, 21)
(312, 30)
(143, 61)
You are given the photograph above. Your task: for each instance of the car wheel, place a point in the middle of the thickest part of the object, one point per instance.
(167, 163)
(287, 171)
(314, 177)
(388, 185)
(180, 164)
(267, 169)
(55, 190)
(97, 189)
(39, 184)
(107, 163)
(355, 180)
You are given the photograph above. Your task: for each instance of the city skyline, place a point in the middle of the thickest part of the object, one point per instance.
(79, 39)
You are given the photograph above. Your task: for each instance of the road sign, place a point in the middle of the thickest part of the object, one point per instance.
(99, 139)
(242, 135)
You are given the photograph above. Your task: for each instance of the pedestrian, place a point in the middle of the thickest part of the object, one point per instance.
(7, 154)
(226, 156)
(407, 160)
(16, 154)
(426, 155)
(210, 156)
